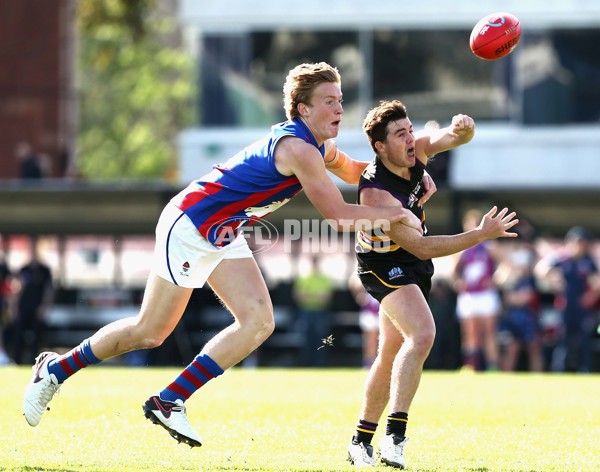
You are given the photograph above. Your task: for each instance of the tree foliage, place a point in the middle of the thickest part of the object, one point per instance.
(136, 86)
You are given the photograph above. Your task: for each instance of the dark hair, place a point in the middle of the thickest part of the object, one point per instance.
(377, 120)
(578, 233)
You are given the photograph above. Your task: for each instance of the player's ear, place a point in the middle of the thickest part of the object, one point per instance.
(379, 146)
(303, 109)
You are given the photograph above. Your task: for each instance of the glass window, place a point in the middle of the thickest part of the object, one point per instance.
(436, 75)
(553, 76)
(559, 72)
(242, 75)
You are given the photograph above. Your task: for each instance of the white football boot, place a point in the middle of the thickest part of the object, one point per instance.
(40, 390)
(172, 417)
(361, 455)
(391, 450)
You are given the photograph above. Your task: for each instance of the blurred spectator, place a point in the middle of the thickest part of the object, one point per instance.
(45, 164)
(519, 324)
(574, 277)
(368, 320)
(478, 301)
(313, 293)
(31, 165)
(34, 296)
(445, 353)
(5, 292)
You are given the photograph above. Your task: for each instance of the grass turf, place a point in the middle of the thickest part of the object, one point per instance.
(302, 420)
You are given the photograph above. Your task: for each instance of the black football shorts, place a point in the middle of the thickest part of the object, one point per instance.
(381, 275)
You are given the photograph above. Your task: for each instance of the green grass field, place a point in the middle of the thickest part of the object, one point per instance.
(302, 420)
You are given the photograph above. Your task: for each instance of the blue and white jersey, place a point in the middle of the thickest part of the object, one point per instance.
(244, 189)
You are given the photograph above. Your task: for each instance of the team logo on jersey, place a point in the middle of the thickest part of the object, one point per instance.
(412, 198)
(395, 273)
(262, 211)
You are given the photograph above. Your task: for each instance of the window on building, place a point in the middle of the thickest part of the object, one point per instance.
(553, 77)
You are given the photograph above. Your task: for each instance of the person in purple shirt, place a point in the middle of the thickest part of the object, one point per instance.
(478, 302)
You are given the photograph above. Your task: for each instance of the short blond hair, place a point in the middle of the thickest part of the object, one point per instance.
(300, 84)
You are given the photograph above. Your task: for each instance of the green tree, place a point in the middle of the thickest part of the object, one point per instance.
(136, 90)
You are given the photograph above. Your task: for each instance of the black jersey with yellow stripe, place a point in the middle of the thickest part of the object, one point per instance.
(407, 192)
(383, 265)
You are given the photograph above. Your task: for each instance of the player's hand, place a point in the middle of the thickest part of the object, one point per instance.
(412, 221)
(498, 225)
(430, 189)
(462, 124)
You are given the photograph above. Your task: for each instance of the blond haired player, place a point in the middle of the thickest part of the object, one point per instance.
(199, 240)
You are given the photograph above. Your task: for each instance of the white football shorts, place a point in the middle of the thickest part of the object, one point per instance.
(484, 303)
(368, 320)
(182, 256)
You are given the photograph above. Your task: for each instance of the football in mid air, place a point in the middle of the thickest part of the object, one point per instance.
(495, 36)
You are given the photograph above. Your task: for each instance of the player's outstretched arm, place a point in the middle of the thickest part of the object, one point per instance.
(493, 225)
(341, 165)
(432, 140)
(295, 157)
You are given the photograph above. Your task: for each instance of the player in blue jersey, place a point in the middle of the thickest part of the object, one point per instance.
(395, 267)
(198, 241)
(574, 278)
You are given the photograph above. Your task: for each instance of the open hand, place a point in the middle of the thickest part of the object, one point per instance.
(498, 225)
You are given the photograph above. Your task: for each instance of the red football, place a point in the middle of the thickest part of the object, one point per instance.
(495, 36)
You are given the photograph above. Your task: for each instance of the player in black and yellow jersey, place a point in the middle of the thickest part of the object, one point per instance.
(395, 267)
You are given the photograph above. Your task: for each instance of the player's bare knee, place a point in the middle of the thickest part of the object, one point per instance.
(259, 324)
(152, 342)
(423, 341)
(142, 337)
(265, 328)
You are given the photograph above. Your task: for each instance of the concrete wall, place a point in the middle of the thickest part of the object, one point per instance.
(242, 15)
(500, 156)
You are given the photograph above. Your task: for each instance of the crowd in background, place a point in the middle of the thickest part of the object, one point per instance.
(525, 306)
(510, 305)
(26, 296)
(514, 305)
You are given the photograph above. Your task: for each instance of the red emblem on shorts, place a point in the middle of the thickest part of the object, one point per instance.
(186, 266)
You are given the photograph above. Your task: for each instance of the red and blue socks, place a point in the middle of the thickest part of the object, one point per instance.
(195, 375)
(73, 361)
